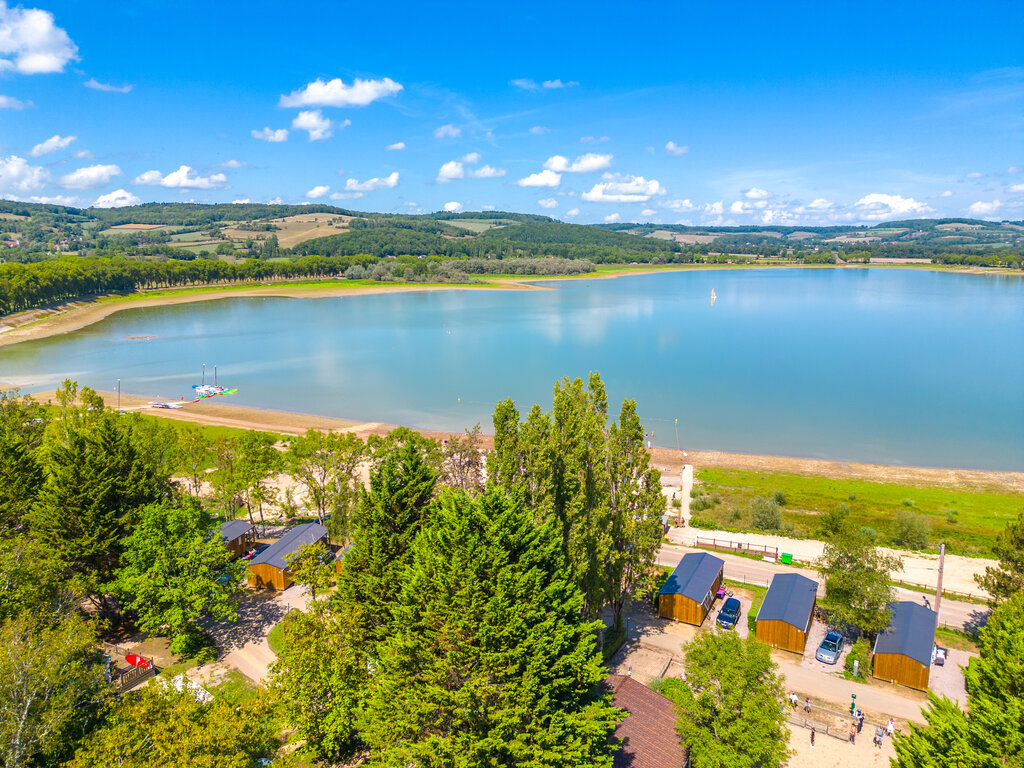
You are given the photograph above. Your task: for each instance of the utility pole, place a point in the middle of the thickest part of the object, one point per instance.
(938, 591)
(119, 394)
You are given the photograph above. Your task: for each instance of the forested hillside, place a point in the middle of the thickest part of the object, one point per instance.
(51, 253)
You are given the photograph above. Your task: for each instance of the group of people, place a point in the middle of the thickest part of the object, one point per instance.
(880, 732)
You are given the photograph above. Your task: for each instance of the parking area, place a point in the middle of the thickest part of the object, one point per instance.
(817, 633)
(948, 680)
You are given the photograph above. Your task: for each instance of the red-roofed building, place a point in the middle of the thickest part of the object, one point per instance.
(648, 733)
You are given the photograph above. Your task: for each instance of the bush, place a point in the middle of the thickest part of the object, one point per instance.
(869, 533)
(765, 514)
(911, 531)
(779, 498)
(834, 521)
(700, 503)
(703, 522)
(907, 502)
(861, 651)
(677, 503)
(355, 272)
(694, 493)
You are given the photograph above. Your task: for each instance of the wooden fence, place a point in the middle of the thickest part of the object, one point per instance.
(123, 680)
(737, 547)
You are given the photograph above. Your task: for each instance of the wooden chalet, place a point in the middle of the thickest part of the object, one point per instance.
(238, 536)
(647, 736)
(691, 589)
(785, 616)
(269, 569)
(903, 652)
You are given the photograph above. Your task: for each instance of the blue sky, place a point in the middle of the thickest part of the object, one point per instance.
(816, 113)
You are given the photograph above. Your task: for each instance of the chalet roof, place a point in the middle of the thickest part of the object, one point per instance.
(911, 632)
(299, 536)
(648, 734)
(232, 529)
(790, 599)
(694, 576)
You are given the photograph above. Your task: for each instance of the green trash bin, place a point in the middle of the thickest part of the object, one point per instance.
(786, 558)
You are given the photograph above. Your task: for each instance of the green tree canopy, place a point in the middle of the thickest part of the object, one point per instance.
(730, 704)
(176, 571)
(857, 581)
(490, 661)
(1005, 580)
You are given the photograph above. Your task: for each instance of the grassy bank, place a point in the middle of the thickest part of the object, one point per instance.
(967, 520)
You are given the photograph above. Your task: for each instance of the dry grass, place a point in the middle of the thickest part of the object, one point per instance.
(295, 229)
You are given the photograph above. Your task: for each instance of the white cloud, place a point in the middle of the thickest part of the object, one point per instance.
(984, 209)
(453, 207)
(116, 199)
(587, 163)
(448, 131)
(975, 175)
(539, 130)
(714, 209)
(594, 139)
(548, 202)
(572, 213)
(16, 175)
(335, 93)
(820, 204)
(90, 176)
(52, 199)
(672, 148)
(450, 171)
(525, 83)
(318, 191)
(1013, 169)
(82, 154)
(398, 145)
(232, 164)
(273, 135)
(96, 85)
(738, 206)
(487, 172)
(756, 194)
(678, 205)
(183, 178)
(472, 157)
(648, 212)
(611, 218)
(558, 84)
(315, 124)
(546, 178)
(241, 201)
(31, 44)
(9, 102)
(355, 188)
(878, 206)
(1017, 188)
(947, 193)
(52, 144)
(624, 189)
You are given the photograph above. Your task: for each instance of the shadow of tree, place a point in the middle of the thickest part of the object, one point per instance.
(256, 615)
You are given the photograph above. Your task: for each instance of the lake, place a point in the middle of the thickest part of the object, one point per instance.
(894, 366)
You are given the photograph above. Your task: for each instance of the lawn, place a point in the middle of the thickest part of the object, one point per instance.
(276, 637)
(967, 520)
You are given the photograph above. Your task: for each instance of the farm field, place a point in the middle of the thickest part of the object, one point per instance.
(293, 230)
(967, 520)
(478, 225)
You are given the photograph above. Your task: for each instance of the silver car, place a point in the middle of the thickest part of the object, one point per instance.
(830, 649)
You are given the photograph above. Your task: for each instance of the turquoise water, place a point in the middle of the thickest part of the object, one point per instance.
(892, 366)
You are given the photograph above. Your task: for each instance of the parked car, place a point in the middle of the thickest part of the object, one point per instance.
(730, 613)
(831, 648)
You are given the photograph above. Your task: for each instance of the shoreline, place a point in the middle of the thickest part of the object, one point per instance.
(216, 412)
(44, 322)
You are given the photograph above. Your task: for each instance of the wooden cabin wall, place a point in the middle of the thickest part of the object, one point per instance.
(901, 669)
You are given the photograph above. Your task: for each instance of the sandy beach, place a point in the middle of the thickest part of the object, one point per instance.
(219, 412)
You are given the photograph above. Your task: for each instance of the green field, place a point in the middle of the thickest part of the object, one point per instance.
(966, 520)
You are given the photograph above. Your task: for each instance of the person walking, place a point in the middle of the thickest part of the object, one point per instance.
(860, 719)
(890, 727)
(807, 705)
(853, 731)
(812, 737)
(879, 736)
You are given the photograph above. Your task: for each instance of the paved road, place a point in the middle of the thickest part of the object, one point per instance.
(951, 612)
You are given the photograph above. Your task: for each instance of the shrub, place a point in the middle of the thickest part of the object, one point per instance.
(779, 498)
(869, 533)
(907, 502)
(834, 521)
(765, 514)
(735, 515)
(861, 651)
(703, 522)
(700, 503)
(695, 493)
(677, 503)
(912, 531)
(852, 497)
(355, 272)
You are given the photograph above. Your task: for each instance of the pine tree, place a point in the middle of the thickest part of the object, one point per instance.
(390, 516)
(491, 662)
